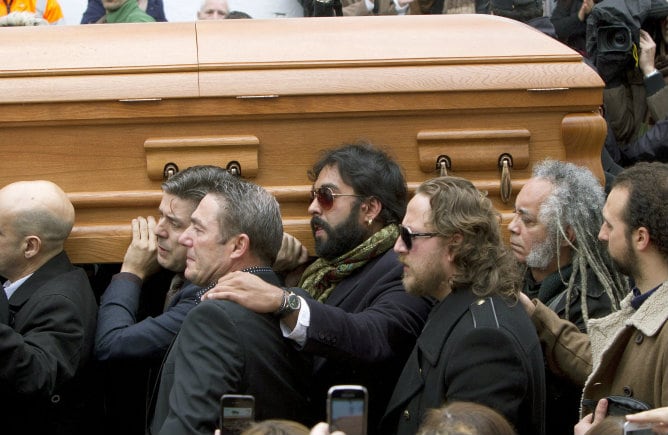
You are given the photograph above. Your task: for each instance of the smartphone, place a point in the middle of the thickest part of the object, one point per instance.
(236, 413)
(347, 409)
(631, 428)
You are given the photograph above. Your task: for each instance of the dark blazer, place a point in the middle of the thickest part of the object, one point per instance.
(498, 366)
(120, 336)
(363, 334)
(4, 308)
(45, 350)
(223, 348)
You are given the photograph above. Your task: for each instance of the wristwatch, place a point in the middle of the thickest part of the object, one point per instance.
(290, 303)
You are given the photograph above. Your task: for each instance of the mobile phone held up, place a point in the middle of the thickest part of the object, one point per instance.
(347, 409)
(236, 413)
(638, 428)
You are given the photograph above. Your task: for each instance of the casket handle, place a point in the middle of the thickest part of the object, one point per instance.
(443, 164)
(234, 168)
(505, 163)
(170, 170)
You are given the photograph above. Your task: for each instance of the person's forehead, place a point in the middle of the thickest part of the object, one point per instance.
(418, 211)
(330, 176)
(534, 193)
(615, 203)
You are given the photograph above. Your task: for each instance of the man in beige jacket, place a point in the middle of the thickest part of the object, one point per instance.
(626, 352)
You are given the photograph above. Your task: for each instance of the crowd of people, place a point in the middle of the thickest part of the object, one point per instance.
(420, 300)
(450, 328)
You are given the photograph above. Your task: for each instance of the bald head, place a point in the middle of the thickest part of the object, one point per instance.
(213, 10)
(38, 208)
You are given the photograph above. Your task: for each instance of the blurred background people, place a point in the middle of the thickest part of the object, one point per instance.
(95, 11)
(50, 10)
(213, 10)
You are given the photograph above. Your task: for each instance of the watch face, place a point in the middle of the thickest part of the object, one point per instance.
(293, 301)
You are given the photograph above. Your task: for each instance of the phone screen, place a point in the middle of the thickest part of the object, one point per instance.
(237, 412)
(638, 429)
(347, 411)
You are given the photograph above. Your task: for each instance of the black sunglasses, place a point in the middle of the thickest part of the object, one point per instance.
(407, 236)
(326, 197)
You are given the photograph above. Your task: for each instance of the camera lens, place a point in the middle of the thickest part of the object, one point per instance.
(619, 40)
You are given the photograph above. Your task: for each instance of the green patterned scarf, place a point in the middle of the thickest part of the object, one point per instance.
(320, 278)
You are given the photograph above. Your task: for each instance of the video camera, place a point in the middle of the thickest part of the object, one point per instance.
(614, 39)
(613, 26)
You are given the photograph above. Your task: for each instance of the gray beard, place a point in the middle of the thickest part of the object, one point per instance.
(542, 254)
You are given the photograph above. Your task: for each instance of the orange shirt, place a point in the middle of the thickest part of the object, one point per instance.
(49, 9)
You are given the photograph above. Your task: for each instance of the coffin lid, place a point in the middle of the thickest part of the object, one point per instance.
(281, 57)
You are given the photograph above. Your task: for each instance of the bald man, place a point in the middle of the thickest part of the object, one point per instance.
(213, 10)
(47, 341)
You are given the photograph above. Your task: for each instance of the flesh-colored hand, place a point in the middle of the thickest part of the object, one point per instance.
(141, 256)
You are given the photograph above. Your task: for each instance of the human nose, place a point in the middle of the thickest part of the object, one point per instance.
(513, 226)
(603, 234)
(159, 229)
(185, 239)
(400, 246)
(314, 206)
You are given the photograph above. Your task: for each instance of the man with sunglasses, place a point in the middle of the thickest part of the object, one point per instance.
(360, 323)
(478, 345)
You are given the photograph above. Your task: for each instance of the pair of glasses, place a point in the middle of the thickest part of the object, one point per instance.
(407, 236)
(326, 196)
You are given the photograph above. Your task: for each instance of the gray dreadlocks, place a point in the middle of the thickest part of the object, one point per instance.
(576, 202)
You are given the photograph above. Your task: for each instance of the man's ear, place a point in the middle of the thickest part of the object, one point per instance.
(570, 237)
(641, 238)
(33, 245)
(241, 245)
(371, 208)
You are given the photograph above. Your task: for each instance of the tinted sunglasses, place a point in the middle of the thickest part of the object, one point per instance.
(407, 236)
(326, 196)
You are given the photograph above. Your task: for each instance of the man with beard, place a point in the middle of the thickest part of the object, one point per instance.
(623, 353)
(553, 233)
(478, 344)
(360, 324)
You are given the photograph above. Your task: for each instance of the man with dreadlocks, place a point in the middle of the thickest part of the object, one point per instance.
(553, 233)
(623, 353)
(361, 324)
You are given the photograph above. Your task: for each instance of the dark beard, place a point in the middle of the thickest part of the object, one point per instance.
(628, 264)
(340, 239)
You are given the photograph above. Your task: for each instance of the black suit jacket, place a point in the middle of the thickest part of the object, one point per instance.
(44, 352)
(363, 334)
(457, 360)
(4, 308)
(223, 348)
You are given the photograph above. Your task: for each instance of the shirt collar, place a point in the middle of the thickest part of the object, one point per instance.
(11, 287)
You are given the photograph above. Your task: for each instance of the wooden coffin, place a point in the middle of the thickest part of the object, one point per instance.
(106, 111)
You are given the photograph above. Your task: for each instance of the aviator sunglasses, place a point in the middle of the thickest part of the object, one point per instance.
(326, 196)
(407, 236)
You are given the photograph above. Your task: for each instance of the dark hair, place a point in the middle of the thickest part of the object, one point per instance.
(246, 208)
(647, 204)
(483, 262)
(195, 182)
(523, 13)
(465, 418)
(370, 172)
(235, 15)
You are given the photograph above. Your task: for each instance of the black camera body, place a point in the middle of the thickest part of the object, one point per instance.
(614, 39)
